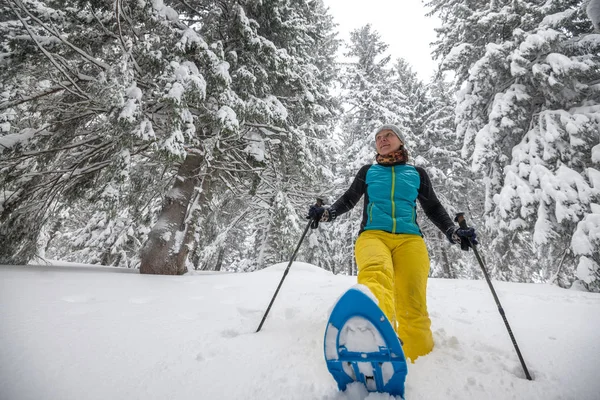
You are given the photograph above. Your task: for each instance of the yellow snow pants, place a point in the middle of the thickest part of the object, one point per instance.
(395, 268)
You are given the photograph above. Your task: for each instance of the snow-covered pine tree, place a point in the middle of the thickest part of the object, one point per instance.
(370, 97)
(93, 124)
(280, 58)
(299, 164)
(528, 114)
(439, 152)
(163, 101)
(430, 113)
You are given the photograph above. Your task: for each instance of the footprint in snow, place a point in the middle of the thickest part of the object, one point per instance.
(441, 338)
(489, 349)
(463, 321)
(78, 299)
(248, 312)
(290, 313)
(188, 316)
(230, 333)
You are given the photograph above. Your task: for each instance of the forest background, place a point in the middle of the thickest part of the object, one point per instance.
(194, 134)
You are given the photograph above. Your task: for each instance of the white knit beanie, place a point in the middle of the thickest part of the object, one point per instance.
(392, 128)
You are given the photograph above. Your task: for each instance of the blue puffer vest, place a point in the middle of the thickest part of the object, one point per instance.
(390, 198)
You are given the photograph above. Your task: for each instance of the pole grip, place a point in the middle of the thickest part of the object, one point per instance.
(462, 222)
(315, 222)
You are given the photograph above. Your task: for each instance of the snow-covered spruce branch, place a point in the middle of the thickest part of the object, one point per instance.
(503, 87)
(240, 158)
(56, 34)
(81, 93)
(237, 170)
(127, 18)
(72, 172)
(104, 29)
(233, 188)
(312, 195)
(91, 112)
(191, 8)
(30, 154)
(433, 116)
(65, 183)
(268, 127)
(52, 90)
(118, 12)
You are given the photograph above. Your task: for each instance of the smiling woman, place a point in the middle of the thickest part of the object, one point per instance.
(402, 25)
(390, 252)
(387, 141)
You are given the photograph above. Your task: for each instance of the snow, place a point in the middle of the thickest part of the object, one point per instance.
(222, 71)
(555, 20)
(176, 92)
(535, 41)
(128, 110)
(278, 110)
(331, 343)
(165, 11)
(179, 236)
(364, 289)
(11, 140)
(93, 333)
(457, 52)
(359, 335)
(585, 269)
(596, 154)
(587, 232)
(256, 146)
(228, 118)
(562, 64)
(134, 92)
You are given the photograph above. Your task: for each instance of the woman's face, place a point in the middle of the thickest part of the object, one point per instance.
(386, 142)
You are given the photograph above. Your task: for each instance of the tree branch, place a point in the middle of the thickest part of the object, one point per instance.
(47, 54)
(91, 59)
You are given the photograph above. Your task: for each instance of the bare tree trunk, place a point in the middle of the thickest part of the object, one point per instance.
(264, 245)
(190, 228)
(264, 237)
(164, 252)
(219, 263)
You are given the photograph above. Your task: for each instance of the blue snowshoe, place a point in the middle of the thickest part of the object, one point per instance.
(361, 345)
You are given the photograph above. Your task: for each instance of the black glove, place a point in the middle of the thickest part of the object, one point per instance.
(464, 237)
(320, 214)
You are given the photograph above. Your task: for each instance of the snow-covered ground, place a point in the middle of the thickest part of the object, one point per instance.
(91, 333)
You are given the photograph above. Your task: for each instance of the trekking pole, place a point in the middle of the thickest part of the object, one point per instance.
(310, 222)
(460, 218)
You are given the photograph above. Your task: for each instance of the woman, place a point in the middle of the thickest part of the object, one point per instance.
(390, 251)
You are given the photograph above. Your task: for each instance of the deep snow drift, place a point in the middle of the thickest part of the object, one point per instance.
(94, 333)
